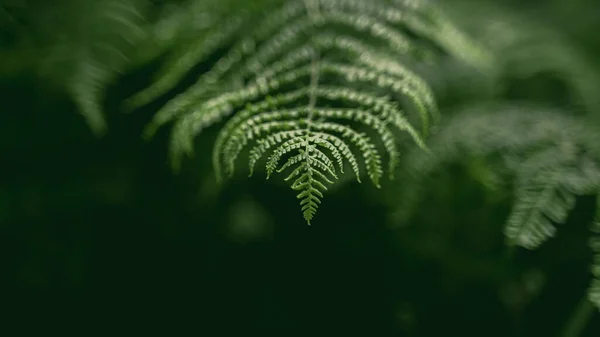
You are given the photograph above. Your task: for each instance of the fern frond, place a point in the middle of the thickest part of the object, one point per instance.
(525, 47)
(553, 157)
(316, 85)
(247, 59)
(95, 49)
(541, 201)
(214, 33)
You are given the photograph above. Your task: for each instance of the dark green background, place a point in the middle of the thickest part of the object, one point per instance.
(93, 230)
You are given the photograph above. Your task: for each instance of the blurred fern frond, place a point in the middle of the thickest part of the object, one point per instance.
(526, 46)
(100, 50)
(80, 45)
(553, 158)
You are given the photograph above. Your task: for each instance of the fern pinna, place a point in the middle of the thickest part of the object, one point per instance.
(317, 86)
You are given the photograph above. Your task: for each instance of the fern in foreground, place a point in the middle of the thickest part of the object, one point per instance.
(554, 158)
(316, 87)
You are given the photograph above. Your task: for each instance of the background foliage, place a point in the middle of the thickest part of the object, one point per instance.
(102, 223)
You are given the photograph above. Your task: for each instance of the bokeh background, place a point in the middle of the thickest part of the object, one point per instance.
(97, 229)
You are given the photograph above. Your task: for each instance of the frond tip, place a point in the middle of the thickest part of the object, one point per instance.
(317, 86)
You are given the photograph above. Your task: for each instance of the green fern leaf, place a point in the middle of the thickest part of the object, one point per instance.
(316, 86)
